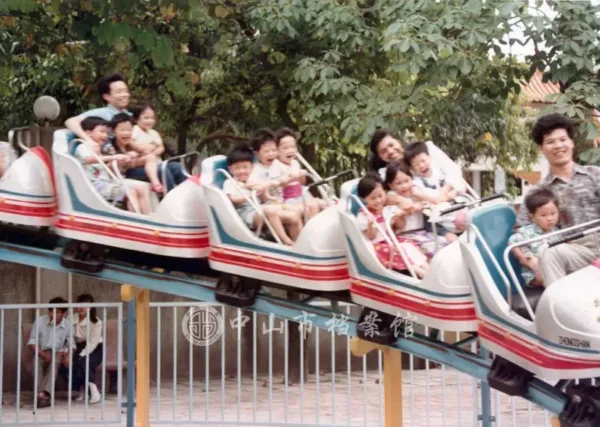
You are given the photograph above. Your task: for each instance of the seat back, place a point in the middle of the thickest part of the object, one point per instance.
(496, 223)
(350, 188)
(209, 168)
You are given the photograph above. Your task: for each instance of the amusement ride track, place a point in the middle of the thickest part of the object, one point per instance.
(539, 392)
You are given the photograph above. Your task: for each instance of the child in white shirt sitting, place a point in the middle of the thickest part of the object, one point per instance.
(239, 190)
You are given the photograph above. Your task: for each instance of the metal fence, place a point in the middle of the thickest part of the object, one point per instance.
(21, 366)
(251, 377)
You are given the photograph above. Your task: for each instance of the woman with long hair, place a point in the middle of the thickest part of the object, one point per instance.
(89, 345)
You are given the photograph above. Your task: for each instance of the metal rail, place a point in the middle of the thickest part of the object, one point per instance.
(538, 392)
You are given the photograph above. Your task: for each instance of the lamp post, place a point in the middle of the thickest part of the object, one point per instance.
(46, 109)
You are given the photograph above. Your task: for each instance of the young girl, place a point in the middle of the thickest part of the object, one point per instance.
(122, 127)
(398, 181)
(370, 189)
(294, 175)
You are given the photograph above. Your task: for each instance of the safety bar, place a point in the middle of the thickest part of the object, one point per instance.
(162, 166)
(399, 248)
(568, 238)
(379, 229)
(331, 178)
(314, 173)
(475, 202)
(501, 273)
(19, 132)
(252, 202)
(119, 180)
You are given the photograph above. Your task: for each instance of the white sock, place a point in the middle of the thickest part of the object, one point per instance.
(94, 390)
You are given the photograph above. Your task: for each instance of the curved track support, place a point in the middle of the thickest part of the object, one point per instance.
(538, 392)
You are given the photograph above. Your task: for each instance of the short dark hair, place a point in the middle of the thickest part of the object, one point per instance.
(120, 118)
(392, 170)
(283, 132)
(261, 136)
(413, 149)
(538, 197)
(57, 300)
(549, 123)
(137, 111)
(105, 82)
(90, 123)
(375, 162)
(367, 184)
(240, 153)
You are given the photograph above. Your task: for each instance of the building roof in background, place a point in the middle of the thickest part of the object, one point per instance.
(535, 90)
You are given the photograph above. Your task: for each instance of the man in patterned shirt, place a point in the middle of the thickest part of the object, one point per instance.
(577, 189)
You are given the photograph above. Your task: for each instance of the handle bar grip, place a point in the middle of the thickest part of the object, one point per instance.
(452, 209)
(566, 239)
(492, 197)
(331, 178)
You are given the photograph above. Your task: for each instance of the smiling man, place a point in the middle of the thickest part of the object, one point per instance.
(114, 91)
(577, 190)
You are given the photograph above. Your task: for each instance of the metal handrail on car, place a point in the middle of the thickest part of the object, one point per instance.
(19, 132)
(385, 236)
(162, 166)
(118, 179)
(254, 204)
(546, 238)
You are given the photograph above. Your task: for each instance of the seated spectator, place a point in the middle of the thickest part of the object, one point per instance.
(50, 332)
(92, 349)
(543, 209)
(96, 130)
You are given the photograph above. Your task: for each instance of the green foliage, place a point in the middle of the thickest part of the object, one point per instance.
(335, 71)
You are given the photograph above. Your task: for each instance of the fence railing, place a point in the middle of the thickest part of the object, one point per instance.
(40, 366)
(219, 366)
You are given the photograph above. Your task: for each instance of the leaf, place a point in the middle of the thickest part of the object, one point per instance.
(465, 66)
(221, 12)
(404, 45)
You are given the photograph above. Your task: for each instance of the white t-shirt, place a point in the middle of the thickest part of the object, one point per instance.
(362, 220)
(146, 137)
(262, 173)
(230, 188)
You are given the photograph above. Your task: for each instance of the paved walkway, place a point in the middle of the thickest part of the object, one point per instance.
(448, 403)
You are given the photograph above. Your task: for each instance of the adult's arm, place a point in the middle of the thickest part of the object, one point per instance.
(74, 123)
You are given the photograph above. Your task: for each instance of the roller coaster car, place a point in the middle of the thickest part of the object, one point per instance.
(175, 230)
(442, 299)
(553, 333)
(316, 263)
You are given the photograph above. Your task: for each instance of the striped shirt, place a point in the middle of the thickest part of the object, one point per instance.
(578, 199)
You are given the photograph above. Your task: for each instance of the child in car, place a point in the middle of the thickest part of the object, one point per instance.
(542, 205)
(398, 180)
(370, 189)
(433, 185)
(122, 128)
(97, 129)
(239, 190)
(293, 175)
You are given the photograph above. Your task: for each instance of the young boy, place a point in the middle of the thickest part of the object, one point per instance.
(97, 130)
(239, 190)
(542, 205)
(432, 182)
(267, 169)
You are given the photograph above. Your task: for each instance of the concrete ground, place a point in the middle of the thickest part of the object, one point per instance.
(355, 403)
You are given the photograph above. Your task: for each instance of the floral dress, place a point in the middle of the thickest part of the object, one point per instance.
(382, 249)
